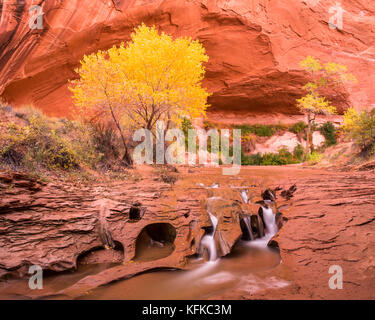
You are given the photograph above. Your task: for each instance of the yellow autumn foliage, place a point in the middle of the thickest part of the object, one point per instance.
(322, 75)
(330, 73)
(153, 77)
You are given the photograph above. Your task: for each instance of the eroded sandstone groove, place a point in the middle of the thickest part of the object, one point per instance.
(52, 225)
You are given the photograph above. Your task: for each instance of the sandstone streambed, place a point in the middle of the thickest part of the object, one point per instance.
(163, 250)
(207, 244)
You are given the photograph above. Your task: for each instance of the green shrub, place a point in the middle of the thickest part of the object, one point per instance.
(106, 142)
(299, 153)
(43, 141)
(260, 130)
(298, 127)
(283, 157)
(329, 132)
(314, 158)
(361, 128)
(251, 160)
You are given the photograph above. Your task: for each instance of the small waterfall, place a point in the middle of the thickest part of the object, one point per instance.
(260, 226)
(270, 228)
(208, 241)
(270, 221)
(245, 196)
(247, 221)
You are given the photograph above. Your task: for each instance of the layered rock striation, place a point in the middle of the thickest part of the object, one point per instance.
(254, 47)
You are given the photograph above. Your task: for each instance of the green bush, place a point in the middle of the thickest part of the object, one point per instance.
(329, 132)
(299, 153)
(314, 158)
(251, 160)
(43, 142)
(298, 127)
(283, 157)
(260, 130)
(361, 128)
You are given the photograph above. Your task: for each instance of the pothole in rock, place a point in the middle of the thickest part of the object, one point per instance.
(136, 212)
(156, 241)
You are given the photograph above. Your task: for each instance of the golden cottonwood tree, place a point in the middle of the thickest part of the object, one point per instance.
(153, 77)
(313, 103)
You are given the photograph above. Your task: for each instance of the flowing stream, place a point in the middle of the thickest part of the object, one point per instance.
(244, 270)
(208, 241)
(247, 221)
(270, 221)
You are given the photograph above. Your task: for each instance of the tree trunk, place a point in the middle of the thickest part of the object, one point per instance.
(308, 133)
(127, 159)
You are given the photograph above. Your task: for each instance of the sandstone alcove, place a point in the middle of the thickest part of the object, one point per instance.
(155, 241)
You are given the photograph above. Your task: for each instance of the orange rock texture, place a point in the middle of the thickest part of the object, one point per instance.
(254, 47)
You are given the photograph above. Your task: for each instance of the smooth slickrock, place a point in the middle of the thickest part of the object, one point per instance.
(331, 222)
(254, 48)
(228, 231)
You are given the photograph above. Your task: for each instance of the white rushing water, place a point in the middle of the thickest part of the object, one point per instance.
(208, 241)
(247, 221)
(270, 221)
(271, 228)
(245, 196)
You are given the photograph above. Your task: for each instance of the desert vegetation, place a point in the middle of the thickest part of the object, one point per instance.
(360, 126)
(331, 76)
(282, 157)
(253, 134)
(44, 146)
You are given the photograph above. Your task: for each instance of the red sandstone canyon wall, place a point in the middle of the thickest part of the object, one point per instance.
(254, 47)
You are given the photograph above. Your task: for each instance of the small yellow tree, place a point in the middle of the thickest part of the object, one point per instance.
(154, 77)
(360, 126)
(313, 103)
